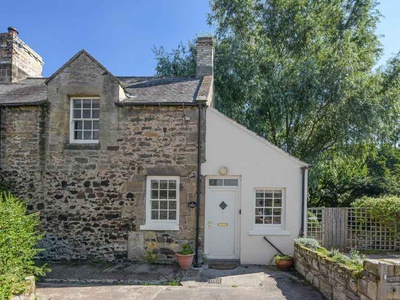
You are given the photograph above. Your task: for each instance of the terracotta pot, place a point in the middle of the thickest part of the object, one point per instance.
(184, 261)
(285, 264)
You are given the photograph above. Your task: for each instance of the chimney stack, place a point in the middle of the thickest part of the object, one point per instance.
(17, 60)
(205, 56)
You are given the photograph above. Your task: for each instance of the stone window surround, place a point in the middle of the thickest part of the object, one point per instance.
(270, 229)
(72, 139)
(161, 224)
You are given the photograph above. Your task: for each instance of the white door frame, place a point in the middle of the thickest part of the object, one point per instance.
(236, 216)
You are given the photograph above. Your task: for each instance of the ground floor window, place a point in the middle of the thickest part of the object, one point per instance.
(162, 203)
(269, 207)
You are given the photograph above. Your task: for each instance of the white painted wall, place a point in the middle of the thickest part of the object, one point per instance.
(260, 164)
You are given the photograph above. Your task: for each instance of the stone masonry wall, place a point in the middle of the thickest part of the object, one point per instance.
(91, 198)
(379, 280)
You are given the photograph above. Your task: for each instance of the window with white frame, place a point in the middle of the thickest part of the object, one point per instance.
(269, 207)
(162, 203)
(84, 125)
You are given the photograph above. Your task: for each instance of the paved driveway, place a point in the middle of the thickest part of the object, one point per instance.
(242, 282)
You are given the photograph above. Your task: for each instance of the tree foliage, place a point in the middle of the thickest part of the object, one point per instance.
(18, 238)
(301, 74)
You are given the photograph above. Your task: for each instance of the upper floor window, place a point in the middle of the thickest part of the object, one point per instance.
(84, 124)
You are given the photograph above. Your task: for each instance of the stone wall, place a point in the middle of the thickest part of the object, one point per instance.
(379, 280)
(91, 197)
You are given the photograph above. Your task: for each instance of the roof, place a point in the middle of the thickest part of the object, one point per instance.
(31, 91)
(138, 90)
(156, 90)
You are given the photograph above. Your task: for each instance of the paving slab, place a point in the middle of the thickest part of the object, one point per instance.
(141, 281)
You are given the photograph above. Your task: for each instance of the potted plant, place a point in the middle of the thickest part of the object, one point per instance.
(185, 257)
(284, 262)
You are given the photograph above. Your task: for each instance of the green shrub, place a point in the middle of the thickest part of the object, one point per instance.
(18, 238)
(385, 209)
(307, 242)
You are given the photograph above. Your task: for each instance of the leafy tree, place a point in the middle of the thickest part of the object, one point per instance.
(300, 73)
(18, 238)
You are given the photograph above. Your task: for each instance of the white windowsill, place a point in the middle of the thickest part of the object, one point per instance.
(159, 227)
(269, 231)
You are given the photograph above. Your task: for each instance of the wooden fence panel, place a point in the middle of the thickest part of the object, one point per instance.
(335, 228)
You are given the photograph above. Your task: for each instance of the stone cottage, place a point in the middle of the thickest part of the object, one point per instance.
(122, 166)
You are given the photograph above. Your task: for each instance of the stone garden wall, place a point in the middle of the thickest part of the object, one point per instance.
(379, 280)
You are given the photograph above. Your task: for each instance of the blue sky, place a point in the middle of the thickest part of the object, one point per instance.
(122, 33)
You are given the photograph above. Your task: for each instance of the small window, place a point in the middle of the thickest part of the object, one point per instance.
(162, 203)
(223, 182)
(269, 207)
(84, 125)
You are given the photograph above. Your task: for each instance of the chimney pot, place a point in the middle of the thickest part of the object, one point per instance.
(13, 30)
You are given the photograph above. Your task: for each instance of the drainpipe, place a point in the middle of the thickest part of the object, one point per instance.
(198, 192)
(304, 183)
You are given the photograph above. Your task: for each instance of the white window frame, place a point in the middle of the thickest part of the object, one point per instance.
(72, 139)
(269, 229)
(161, 224)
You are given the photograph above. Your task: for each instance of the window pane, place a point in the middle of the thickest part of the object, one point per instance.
(87, 135)
(77, 114)
(259, 202)
(163, 184)
(87, 125)
(172, 215)
(172, 184)
(95, 124)
(86, 114)
(259, 194)
(95, 103)
(267, 211)
(268, 203)
(95, 135)
(278, 194)
(277, 220)
(163, 215)
(268, 194)
(259, 212)
(171, 194)
(77, 103)
(277, 212)
(154, 184)
(231, 182)
(163, 204)
(154, 204)
(154, 194)
(259, 220)
(172, 204)
(78, 135)
(268, 220)
(78, 125)
(154, 214)
(278, 202)
(216, 182)
(163, 194)
(95, 113)
(87, 103)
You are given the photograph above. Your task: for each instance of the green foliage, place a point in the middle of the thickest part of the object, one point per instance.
(186, 250)
(150, 257)
(18, 238)
(300, 74)
(307, 242)
(181, 62)
(385, 209)
(279, 257)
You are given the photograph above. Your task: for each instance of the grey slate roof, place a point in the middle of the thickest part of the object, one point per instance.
(29, 91)
(150, 90)
(155, 90)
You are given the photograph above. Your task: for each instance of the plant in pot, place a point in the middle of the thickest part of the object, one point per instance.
(284, 262)
(185, 257)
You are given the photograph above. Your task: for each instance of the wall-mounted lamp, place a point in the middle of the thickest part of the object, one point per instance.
(223, 170)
